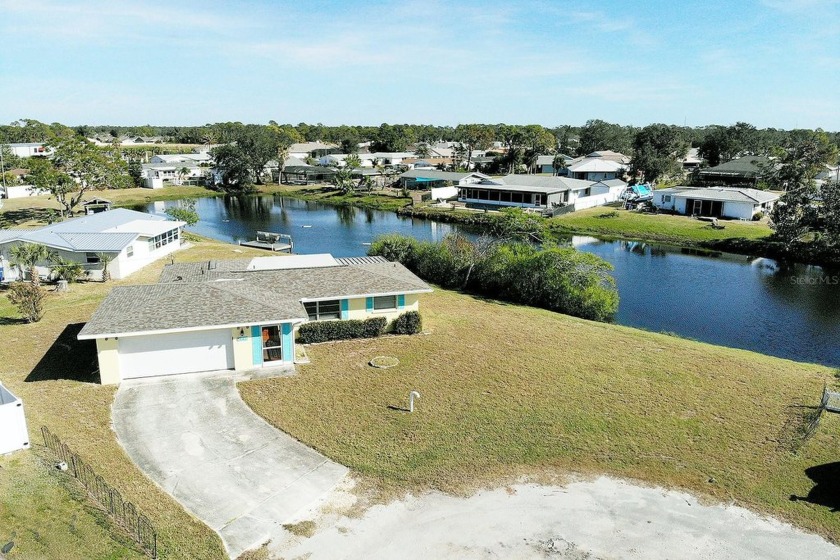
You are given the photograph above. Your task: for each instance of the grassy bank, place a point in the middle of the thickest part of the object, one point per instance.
(680, 230)
(388, 200)
(52, 372)
(509, 390)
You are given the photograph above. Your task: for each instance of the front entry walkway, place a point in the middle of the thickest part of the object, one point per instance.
(201, 443)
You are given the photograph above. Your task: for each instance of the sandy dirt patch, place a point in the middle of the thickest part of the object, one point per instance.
(601, 519)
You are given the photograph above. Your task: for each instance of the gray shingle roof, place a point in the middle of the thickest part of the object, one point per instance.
(163, 307)
(223, 293)
(747, 166)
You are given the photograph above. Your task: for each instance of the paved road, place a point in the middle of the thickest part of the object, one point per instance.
(198, 440)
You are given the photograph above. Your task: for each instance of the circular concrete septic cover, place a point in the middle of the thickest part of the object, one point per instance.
(384, 362)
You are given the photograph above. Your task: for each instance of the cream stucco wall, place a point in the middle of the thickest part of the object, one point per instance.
(242, 349)
(109, 360)
(357, 309)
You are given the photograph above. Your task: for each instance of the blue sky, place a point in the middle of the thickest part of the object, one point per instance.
(773, 63)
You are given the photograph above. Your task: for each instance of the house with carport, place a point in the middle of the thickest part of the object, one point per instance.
(130, 239)
(239, 314)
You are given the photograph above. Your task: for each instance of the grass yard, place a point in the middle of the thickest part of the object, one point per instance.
(386, 200)
(509, 390)
(44, 365)
(681, 230)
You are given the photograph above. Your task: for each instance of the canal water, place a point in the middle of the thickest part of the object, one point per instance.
(790, 311)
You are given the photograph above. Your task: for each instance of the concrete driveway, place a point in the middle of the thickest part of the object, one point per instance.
(201, 443)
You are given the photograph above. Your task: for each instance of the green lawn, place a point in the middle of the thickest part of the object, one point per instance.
(681, 230)
(382, 199)
(509, 390)
(44, 365)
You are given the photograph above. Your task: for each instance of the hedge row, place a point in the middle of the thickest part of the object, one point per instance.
(323, 331)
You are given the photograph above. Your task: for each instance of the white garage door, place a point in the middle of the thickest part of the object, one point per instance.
(167, 354)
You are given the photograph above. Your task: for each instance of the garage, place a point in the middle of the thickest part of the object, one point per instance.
(172, 353)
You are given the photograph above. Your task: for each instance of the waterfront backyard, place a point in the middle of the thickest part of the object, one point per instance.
(507, 391)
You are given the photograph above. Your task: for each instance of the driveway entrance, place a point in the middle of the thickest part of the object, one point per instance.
(201, 443)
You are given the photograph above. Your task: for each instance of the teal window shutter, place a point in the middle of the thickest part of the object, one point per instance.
(369, 305)
(288, 343)
(345, 308)
(256, 345)
(401, 301)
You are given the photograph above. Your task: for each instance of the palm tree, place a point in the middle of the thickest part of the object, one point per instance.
(558, 163)
(26, 256)
(66, 270)
(105, 259)
(183, 172)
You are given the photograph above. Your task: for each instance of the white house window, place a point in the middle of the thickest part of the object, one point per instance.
(323, 310)
(129, 251)
(667, 198)
(159, 241)
(381, 303)
(92, 258)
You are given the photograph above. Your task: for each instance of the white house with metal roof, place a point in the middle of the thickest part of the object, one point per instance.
(540, 192)
(132, 240)
(239, 314)
(718, 202)
(30, 149)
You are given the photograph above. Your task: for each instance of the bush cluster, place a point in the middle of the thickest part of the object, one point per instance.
(556, 278)
(322, 331)
(409, 322)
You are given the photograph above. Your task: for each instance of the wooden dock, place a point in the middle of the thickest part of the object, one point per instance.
(277, 242)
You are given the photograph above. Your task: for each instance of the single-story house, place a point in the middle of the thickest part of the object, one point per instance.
(239, 314)
(545, 163)
(303, 150)
(540, 192)
(595, 169)
(425, 179)
(744, 171)
(132, 240)
(157, 175)
(21, 191)
(305, 174)
(718, 202)
(30, 149)
(195, 157)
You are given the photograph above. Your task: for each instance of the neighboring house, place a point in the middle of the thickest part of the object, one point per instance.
(306, 174)
(303, 150)
(239, 314)
(428, 178)
(132, 240)
(541, 192)
(744, 171)
(368, 160)
(22, 191)
(30, 149)
(545, 163)
(195, 157)
(692, 160)
(157, 175)
(718, 202)
(595, 169)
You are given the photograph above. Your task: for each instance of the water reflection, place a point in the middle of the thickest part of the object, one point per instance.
(791, 311)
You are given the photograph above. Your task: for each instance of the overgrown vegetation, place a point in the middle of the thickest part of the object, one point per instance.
(28, 299)
(323, 331)
(556, 278)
